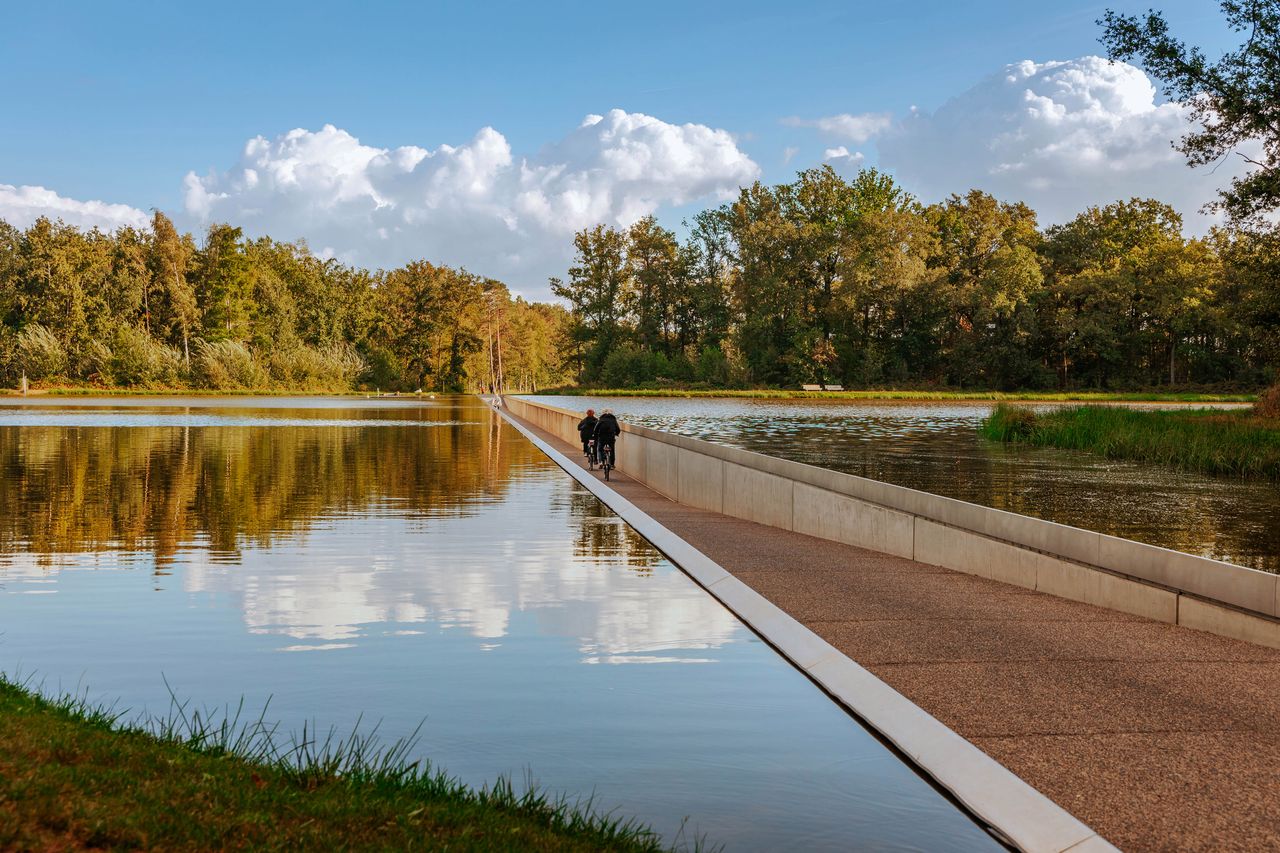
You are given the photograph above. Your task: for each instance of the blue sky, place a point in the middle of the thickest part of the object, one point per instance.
(118, 102)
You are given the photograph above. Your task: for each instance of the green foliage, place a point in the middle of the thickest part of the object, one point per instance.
(40, 354)
(855, 282)
(226, 366)
(1205, 441)
(135, 359)
(311, 369)
(1009, 423)
(151, 309)
(1233, 101)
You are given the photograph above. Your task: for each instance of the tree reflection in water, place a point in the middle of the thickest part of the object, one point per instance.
(162, 488)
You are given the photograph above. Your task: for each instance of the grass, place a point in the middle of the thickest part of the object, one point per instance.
(74, 775)
(907, 394)
(1205, 441)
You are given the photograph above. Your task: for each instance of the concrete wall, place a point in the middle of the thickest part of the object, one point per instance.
(1170, 586)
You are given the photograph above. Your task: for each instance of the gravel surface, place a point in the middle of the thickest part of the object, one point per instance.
(1157, 736)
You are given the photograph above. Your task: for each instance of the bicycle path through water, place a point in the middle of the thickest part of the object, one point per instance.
(1157, 736)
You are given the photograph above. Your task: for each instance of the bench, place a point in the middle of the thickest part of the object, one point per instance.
(810, 387)
(832, 387)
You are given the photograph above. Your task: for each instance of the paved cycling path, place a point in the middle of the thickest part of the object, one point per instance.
(1157, 736)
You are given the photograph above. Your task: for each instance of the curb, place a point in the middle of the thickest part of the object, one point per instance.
(1014, 811)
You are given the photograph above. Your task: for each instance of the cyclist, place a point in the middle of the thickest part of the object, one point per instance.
(606, 433)
(586, 430)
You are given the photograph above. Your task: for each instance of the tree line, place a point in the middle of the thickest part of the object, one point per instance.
(155, 308)
(857, 282)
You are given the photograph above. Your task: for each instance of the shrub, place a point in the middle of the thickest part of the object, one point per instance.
(136, 359)
(713, 366)
(1268, 405)
(307, 368)
(627, 366)
(226, 366)
(40, 354)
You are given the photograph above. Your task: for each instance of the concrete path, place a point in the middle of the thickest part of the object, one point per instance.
(1157, 736)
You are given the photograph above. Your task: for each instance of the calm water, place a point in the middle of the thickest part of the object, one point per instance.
(935, 447)
(411, 561)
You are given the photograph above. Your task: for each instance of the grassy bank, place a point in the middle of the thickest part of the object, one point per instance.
(73, 776)
(1205, 441)
(889, 394)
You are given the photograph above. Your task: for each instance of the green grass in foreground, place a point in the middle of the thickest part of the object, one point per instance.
(1029, 396)
(1204, 441)
(73, 776)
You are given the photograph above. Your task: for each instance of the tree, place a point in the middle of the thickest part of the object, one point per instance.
(1236, 100)
(653, 261)
(1113, 271)
(169, 303)
(224, 276)
(987, 249)
(598, 291)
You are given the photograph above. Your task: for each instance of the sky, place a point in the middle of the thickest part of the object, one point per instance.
(485, 134)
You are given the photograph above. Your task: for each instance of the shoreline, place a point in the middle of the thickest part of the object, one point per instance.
(76, 775)
(892, 394)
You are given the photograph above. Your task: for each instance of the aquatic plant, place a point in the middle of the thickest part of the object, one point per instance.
(1207, 441)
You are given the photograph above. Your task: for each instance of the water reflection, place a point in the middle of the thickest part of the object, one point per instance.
(430, 566)
(935, 447)
(221, 481)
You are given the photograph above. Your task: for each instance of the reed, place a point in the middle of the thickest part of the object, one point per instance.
(1206, 441)
(75, 774)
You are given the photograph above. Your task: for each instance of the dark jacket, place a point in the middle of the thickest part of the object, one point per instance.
(607, 428)
(587, 427)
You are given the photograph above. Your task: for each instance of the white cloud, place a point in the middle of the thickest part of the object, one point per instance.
(476, 204)
(1059, 135)
(789, 153)
(855, 128)
(21, 206)
(843, 160)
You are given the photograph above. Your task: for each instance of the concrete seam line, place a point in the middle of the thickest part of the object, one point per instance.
(1023, 815)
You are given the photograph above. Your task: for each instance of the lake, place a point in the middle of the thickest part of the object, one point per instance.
(419, 562)
(935, 447)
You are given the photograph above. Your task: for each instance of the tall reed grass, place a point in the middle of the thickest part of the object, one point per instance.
(1205, 441)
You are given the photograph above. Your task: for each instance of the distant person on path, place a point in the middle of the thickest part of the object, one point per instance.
(587, 429)
(607, 431)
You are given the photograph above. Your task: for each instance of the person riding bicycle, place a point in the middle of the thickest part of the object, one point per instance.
(586, 429)
(606, 433)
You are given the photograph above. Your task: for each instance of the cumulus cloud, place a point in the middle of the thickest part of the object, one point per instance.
(843, 160)
(21, 206)
(477, 204)
(855, 128)
(1059, 135)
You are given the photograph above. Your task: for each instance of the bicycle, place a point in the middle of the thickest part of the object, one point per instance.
(606, 464)
(591, 454)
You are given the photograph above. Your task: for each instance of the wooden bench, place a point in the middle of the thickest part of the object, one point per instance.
(832, 387)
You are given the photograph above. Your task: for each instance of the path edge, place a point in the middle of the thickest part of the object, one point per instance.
(1018, 813)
